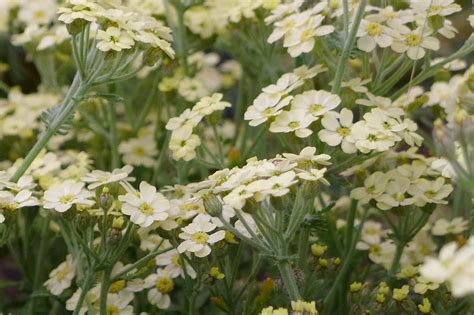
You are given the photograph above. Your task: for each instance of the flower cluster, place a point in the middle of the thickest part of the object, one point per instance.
(183, 141)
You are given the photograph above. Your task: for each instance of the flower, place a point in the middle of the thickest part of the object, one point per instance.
(114, 39)
(23, 198)
(371, 33)
(139, 151)
(209, 104)
(80, 10)
(295, 121)
(171, 261)
(316, 103)
(196, 237)
(183, 143)
(453, 265)
(61, 277)
(374, 186)
(162, 284)
(426, 191)
(454, 226)
(61, 197)
(98, 178)
(423, 285)
(337, 130)
(146, 206)
(425, 307)
(414, 42)
(264, 107)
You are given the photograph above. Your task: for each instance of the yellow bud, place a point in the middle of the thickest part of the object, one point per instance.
(216, 274)
(323, 262)
(425, 307)
(355, 287)
(401, 294)
(318, 250)
(118, 222)
(380, 298)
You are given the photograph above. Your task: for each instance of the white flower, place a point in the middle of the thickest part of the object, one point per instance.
(316, 103)
(116, 304)
(426, 191)
(374, 186)
(356, 84)
(307, 157)
(371, 234)
(171, 261)
(61, 277)
(435, 7)
(196, 237)
(162, 284)
(61, 197)
(98, 178)
(454, 226)
(370, 34)
(295, 121)
(188, 117)
(139, 151)
(264, 107)
(338, 130)
(394, 195)
(145, 207)
(114, 39)
(80, 9)
(415, 42)
(183, 143)
(300, 39)
(209, 104)
(11, 201)
(313, 175)
(453, 265)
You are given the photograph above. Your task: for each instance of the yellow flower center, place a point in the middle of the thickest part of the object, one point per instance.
(373, 29)
(200, 237)
(307, 34)
(343, 132)
(112, 310)
(176, 261)
(145, 208)
(315, 108)
(117, 286)
(413, 40)
(164, 285)
(66, 199)
(435, 9)
(267, 112)
(139, 151)
(294, 124)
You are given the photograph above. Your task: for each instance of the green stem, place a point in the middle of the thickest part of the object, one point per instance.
(288, 277)
(84, 290)
(112, 117)
(397, 257)
(350, 224)
(77, 89)
(104, 290)
(342, 63)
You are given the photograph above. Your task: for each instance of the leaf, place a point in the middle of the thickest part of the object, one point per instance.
(49, 115)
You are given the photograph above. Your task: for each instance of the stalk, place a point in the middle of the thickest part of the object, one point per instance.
(342, 64)
(289, 280)
(77, 89)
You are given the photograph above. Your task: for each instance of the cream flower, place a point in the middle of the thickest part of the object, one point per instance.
(61, 197)
(265, 107)
(139, 151)
(146, 206)
(296, 121)
(453, 265)
(374, 186)
(425, 191)
(196, 237)
(337, 130)
(162, 284)
(415, 42)
(114, 39)
(61, 277)
(454, 226)
(372, 34)
(316, 103)
(183, 143)
(98, 178)
(171, 261)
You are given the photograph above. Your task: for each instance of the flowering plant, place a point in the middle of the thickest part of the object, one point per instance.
(236, 157)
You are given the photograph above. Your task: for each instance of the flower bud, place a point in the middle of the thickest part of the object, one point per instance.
(105, 199)
(318, 250)
(212, 204)
(436, 22)
(151, 56)
(117, 223)
(355, 287)
(114, 237)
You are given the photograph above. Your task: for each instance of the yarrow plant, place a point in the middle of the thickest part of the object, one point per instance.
(236, 157)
